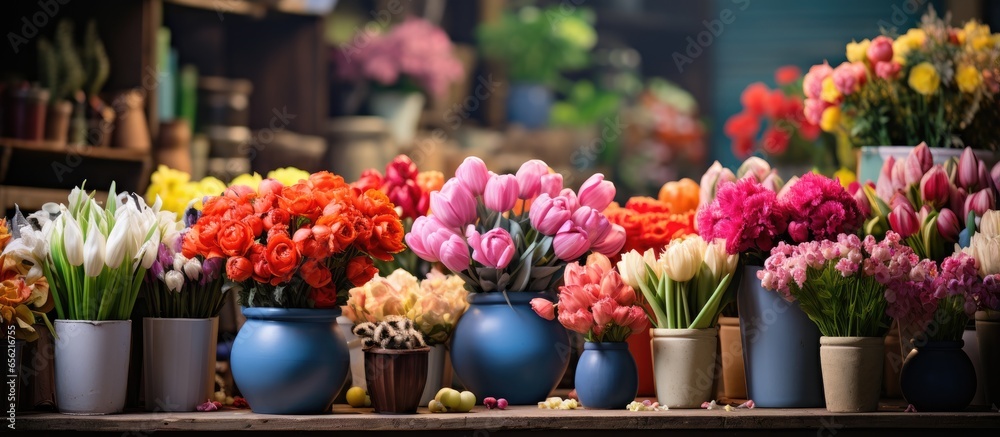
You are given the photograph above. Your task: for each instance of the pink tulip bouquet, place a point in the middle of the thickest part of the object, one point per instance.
(928, 204)
(841, 284)
(595, 302)
(476, 232)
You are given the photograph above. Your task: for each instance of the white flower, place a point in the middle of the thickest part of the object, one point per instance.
(174, 280)
(192, 268)
(718, 260)
(72, 240)
(683, 258)
(93, 251)
(179, 261)
(120, 240)
(632, 268)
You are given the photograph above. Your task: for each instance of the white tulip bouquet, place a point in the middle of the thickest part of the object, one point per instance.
(96, 257)
(686, 286)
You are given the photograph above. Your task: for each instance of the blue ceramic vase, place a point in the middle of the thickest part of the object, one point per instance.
(290, 361)
(528, 104)
(938, 376)
(606, 375)
(506, 350)
(780, 348)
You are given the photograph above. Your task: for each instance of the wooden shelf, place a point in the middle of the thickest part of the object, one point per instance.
(528, 418)
(80, 149)
(31, 199)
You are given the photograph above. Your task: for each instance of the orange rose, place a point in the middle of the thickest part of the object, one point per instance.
(682, 196)
(276, 230)
(342, 233)
(360, 270)
(276, 217)
(299, 200)
(238, 268)
(430, 181)
(256, 224)
(325, 297)
(13, 292)
(315, 274)
(374, 202)
(326, 186)
(201, 239)
(235, 238)
(310, 245)
(386, 237)
(281, 256)
(265, 203)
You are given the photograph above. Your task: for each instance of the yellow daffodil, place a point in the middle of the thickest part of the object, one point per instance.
(968, 78)
(924, 78)
(830, 119)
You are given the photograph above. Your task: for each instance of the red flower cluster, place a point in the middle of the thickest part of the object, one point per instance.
(401, 183)
(317, 230)
(649, 223)
(780, 112)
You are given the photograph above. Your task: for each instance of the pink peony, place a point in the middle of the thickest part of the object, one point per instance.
(745, 214)
(820, 209)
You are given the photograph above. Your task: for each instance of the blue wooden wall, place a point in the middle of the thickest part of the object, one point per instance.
(770, 33)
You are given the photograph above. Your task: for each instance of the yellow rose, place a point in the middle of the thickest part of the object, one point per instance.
(288, 176)
(830, 119)
(858, 51)
(924, 79)
(830, 93)
(250, 180)
(968, 78)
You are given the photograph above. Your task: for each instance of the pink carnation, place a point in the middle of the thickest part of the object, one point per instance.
(745, 214)
(819, 208)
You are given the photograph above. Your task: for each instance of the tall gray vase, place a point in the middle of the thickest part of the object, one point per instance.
(179, 362)
(780, 348)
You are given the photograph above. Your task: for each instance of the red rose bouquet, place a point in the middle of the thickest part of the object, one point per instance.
(298, 246)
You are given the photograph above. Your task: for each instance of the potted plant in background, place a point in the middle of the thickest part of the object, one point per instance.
(935, 83)
(596, 303)
(183, 298)
(509, 238)
(433, 305)
(536, 46)
(985, 247)
(937, 375)
(414, 59)
(24, 295)
(841, 286)
(651, 224)
(686, 287)
(293, 252)
(94, 259)
(395, 363)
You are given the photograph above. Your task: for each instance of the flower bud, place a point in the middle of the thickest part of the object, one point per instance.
(935, 187)
(903, 220)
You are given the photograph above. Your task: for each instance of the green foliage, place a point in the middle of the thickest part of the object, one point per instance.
(854, 306)
(95, 60)
(584, 106)
(537, 45)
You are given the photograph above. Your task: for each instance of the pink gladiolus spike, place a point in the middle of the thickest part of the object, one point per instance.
(473, 174)
(935, 187)
(596, 192)
(571, 242)
(529, 178)
(968, 170)
(544, 308)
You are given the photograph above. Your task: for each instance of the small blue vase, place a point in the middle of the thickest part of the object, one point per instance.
(780, 348)
(506, 350)
(938, 376)
(290, 361)
(606, 375)
(528, 104)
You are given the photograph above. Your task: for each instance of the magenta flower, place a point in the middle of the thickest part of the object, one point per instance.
(903, 220)
(473, 174)
(571, 242)
(880, 50)
(551, 184)
(454, 253)
(820, 209)
(548, 214)
(596, 192)
(745, 214)
(493, 249)
(501, 193)
(454, 205)
(529, 178)
(612, 243)
(935, 186)
(593, 222)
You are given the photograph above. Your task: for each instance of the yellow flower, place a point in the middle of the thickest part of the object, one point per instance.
(912, 40)
(830, 93)
(288, 176)
(846, 176)
(924, 79)
(250, 180)
(858, 51)
(830, 119)
(968, 78)
(977, 35)
(683, 258)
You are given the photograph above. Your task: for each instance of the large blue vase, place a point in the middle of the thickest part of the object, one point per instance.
(606, 375)
(506, 350)
(780, 348)
(290, 361)
(529, 104)
(938, 376)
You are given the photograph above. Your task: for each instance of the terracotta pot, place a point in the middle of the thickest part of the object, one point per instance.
(852, 372)
(174, 146)
(733, 378)
(396, 379)
(132, 129)
(57, 121)
(638, 344)
(891, 364)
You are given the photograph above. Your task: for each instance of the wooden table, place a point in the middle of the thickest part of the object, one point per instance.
(533, 421)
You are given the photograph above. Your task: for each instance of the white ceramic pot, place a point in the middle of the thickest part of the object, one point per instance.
(92, 361)
(988, 337)
(852, 372)
(401, 111)
(436, 377)
(357, 353)
(684, 366)
(178, 362)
